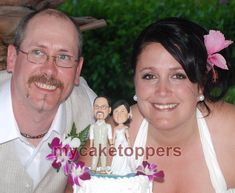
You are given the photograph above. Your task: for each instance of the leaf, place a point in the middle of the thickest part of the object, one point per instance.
(83, 135)
(73, 132)
(49, 144)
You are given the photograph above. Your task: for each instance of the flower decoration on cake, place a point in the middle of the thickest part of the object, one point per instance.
(150, 170)
(78, 172)
(62, 154)
(65, 153)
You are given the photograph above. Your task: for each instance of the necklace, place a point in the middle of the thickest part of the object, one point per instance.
(33, 137)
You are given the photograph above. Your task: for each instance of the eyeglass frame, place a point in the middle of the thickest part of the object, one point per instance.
(47, 58)
(102, 107)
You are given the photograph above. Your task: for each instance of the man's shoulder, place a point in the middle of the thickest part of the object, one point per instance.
(4, 76)
(84, 89)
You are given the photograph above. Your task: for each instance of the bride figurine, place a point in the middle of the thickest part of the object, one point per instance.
(121, 116)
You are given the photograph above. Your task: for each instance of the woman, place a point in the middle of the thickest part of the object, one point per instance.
(121, 116)
(177, 66)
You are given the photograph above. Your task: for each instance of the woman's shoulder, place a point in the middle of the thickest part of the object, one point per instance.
(221, 123)
(222, 120)
(223, 112)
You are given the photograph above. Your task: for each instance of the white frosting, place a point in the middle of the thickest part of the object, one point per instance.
(134, 184)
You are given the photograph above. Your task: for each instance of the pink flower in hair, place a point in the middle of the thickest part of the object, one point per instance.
(215, 42)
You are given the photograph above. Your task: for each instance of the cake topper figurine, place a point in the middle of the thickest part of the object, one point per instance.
(121, 117)
(100, 133)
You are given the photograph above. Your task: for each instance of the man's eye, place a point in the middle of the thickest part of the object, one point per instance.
(148, 76)
(179, 76)
(37, 53)
(64, 57)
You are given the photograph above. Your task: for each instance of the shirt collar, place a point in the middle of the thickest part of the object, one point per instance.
(100, 122)
(9, 129)
(59, 123)
(7, 121)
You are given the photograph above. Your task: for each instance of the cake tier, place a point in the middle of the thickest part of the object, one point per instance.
(115, 184)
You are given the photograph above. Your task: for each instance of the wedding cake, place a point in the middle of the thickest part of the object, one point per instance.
(115, 184)
(125, 176)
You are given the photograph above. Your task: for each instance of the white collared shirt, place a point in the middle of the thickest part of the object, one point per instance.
(32, 158)
(100, 122)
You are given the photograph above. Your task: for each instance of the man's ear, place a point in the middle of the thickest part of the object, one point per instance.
(11, 58)
(110, 109)
(78, 71)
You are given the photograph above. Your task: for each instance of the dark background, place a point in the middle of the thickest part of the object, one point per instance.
(107, 50)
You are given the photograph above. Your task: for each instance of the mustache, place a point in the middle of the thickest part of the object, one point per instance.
(99, 112)
(45, 79)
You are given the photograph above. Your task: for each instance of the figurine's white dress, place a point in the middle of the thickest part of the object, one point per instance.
(121, 162)
(216, 175)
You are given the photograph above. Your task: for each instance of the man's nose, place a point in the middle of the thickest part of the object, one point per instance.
(50, 65)
(51, 60)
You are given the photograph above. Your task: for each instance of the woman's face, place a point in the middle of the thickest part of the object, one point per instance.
(165, 95)
(120, 114)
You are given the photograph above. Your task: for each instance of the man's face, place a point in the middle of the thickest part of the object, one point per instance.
(101, 108)
(43, 87)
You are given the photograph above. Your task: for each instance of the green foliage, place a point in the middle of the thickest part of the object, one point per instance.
(82, 135)
(73, 132)
(230, 97)
(107, 51)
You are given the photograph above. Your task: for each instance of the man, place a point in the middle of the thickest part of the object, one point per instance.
(39, 102)
(100, 133)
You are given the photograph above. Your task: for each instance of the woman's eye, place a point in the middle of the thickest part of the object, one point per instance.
(148, 76)
(179, 76)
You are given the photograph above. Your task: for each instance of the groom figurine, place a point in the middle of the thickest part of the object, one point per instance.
(100, 132)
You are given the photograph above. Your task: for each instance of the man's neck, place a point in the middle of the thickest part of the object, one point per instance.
(30, 121)
(100, 121)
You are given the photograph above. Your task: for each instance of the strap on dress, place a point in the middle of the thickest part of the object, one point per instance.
(216, 175)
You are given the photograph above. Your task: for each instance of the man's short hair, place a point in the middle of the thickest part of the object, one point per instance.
(21, 28)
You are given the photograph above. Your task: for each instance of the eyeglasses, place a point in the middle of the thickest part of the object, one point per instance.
(102, 107)
(37, 56)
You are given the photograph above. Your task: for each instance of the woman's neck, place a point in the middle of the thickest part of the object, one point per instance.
(177, 136)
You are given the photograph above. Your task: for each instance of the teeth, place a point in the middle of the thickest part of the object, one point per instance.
(45, 86)
(165, 106)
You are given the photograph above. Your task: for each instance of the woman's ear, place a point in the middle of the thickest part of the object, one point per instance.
(11, 58)
(200, 96)
(200, 90)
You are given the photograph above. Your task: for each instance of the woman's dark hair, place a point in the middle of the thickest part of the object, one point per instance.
(119, 103)
(184, 40)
